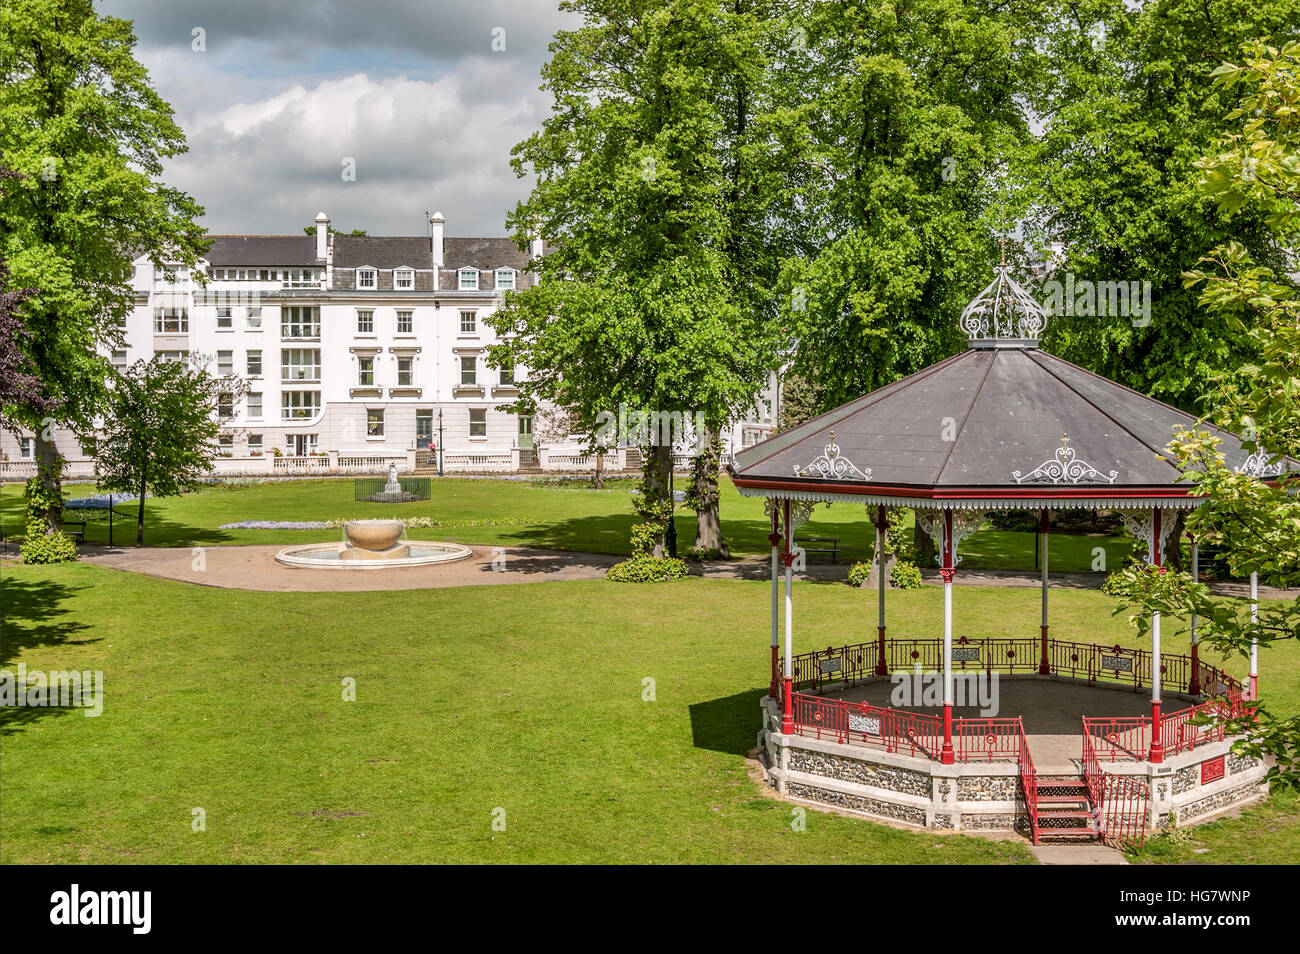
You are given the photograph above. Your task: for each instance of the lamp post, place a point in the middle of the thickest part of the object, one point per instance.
(439, 451)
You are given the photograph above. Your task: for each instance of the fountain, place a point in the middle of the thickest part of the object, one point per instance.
(372, 545)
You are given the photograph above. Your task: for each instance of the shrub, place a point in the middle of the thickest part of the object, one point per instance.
(905, 576)
(858, 573)
(1114, 584)
(41, 547)
(646, 569)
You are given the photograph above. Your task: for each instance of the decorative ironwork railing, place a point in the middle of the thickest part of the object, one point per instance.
(897, 730)
(1118, 802)
(1092, 663)
(1028, 781)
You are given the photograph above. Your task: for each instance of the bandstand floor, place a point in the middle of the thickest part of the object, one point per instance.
(1050, 709)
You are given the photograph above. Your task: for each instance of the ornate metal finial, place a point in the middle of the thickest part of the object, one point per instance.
(1003, 311)
(1261, 465)
(831, 465)
(1064, 467)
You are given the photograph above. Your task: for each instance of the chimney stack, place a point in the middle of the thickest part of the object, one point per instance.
(436, 222)
(535, 246)
(322, 235)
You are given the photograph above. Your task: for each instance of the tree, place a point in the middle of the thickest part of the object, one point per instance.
(909, 113)
(1128, 109)
(18, 385)
(1256, 172)
(159, 430)
(81, 123)
(652, 195)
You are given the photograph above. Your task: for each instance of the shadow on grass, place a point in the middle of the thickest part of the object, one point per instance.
(729, 724)
(34, 616)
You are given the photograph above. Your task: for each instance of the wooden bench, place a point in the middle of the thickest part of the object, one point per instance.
(79, 534)
(833, 549)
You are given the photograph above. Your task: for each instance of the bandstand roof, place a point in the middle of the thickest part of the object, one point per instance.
(1001, 424)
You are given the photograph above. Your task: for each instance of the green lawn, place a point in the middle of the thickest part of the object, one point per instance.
(568, 516)
(524, 697)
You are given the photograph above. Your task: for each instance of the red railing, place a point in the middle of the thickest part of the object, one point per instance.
(1119, 738)
(1086, 661)
(968, 655)
(1028, 781)
(1123, 814)
(846, 664)
(894, 730)
(976, 740)
(1118, 802)
(897, 730)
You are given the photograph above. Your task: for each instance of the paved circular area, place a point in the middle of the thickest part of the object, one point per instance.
(255, 568)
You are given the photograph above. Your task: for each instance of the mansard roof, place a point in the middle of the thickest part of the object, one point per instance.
(262, 250)
(383, 251)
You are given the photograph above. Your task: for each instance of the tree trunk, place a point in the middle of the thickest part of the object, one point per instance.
(49, 468)
(1174, 558)
(654, 483)
(704, 490)
(598, 478)
(925, 555)
(139, 518)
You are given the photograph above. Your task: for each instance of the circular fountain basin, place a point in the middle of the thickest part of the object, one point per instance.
(331, 556)
(373, 535)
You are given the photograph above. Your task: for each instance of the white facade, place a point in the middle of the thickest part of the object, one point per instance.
(354, 348)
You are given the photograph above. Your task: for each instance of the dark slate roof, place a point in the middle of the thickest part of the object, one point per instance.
(383, 251)
(267, 250)
(484, 253)
(1009, 409)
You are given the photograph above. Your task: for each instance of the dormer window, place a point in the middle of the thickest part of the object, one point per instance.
(367, 278)
(403, 279)
(468, 279)
(505, 279)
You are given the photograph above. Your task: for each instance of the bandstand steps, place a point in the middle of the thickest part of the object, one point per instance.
(1064, 811)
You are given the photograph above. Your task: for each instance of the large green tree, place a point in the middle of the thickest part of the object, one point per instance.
(1252, 173)
(82, 124)
(1128, 109)
(909, 111)
(654, 194)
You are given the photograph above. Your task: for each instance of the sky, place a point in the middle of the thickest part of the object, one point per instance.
(278, 100)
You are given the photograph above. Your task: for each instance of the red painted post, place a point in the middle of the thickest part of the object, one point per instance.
(1157, 747)
(1157, 753)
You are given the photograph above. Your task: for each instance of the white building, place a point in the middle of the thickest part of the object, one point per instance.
(358, 351)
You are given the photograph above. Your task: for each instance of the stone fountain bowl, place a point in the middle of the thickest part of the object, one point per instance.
(374, 535)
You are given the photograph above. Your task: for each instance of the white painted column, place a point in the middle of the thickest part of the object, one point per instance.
(947, 570)
(1254, 642)
(1194, 680)
(773, 538)
(787, 700)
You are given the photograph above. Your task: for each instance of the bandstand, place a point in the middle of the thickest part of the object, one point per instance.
(1001, 426)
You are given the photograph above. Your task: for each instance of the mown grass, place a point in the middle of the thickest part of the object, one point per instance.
(564, 516)
(525, 698)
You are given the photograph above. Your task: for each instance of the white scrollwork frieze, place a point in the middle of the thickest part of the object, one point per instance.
(1064, 467)
(832, 465)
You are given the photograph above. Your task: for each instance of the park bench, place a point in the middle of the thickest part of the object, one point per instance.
(75, 529)
(833, 549)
